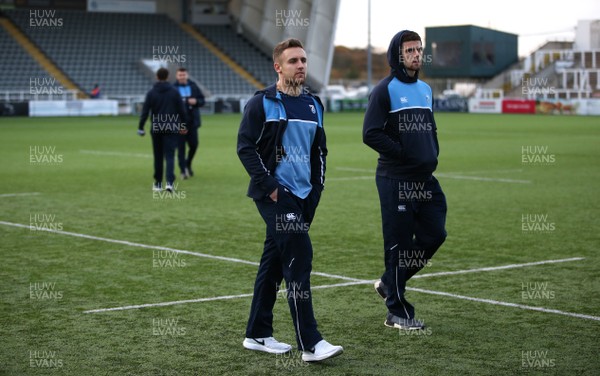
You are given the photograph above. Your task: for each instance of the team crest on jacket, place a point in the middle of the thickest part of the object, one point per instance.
(312, 108)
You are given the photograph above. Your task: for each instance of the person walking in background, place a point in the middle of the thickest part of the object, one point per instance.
(400, 126)
(193, 99)
(281, 143)
(166, 107)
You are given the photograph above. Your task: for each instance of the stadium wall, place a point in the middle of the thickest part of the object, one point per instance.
(267, 22)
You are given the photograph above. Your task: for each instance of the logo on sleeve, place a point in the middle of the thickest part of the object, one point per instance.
(403, 100)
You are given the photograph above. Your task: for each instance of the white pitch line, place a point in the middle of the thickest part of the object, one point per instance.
(176, 302)
(147, 246)
(440, 174)
(20, 194)
(505, 304)
(482, 178)
(502, 267)
(115, 153)
(132, 244)
(353, 281)
(226, 297)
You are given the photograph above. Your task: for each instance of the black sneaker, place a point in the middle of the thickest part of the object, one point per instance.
(393, 321)
(381, 289)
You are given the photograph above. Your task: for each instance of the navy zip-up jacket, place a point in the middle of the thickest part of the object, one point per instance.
(193, 111)
(259, 145)
(165, 105)
(399, 123)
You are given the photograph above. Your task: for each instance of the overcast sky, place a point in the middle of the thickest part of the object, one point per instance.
(535, 21)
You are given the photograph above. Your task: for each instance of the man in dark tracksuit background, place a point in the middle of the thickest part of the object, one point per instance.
(193, 99)
(281, 143)
(400, 126)
(168, 116)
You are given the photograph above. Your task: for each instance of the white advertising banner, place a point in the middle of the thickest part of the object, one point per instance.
(83, 107)
(490, 106)
(124, 6)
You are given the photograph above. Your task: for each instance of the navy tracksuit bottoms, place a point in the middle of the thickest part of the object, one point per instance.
(164, 145)
(413, 222)
(191, 139)
(287, 255)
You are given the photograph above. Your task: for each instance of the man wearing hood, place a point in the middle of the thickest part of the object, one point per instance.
(400, 126)
(165, 105)
(281, 143)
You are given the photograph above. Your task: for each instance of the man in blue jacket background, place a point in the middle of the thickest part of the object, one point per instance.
(281, 143)
(193, 99)
(168, 117)
(400, 126)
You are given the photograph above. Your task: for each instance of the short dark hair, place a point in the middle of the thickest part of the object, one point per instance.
(284, 45)
(181, 69)
(409, 36)
(162, 74)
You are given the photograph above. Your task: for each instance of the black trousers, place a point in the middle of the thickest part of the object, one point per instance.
(164, 145)
(413, 221)
(287, 255)
(191, 139)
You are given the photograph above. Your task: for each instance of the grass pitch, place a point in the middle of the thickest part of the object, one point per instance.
(520, 189)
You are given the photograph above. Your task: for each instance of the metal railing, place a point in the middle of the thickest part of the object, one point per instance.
(28, 95)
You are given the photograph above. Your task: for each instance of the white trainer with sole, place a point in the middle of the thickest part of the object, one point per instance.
(268, 344)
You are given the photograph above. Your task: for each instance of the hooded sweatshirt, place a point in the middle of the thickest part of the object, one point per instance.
(166, 108)
(399, 122)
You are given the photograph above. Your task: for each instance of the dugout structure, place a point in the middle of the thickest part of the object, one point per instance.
(468, 51)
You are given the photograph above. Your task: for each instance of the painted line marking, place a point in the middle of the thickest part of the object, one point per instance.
(20, 194)
(482, 178)
(448, 175)
(225, 297)
(132, 244)
(115, 153)
(502, 267)
(505, 304)
(353, 281)
(146, 246)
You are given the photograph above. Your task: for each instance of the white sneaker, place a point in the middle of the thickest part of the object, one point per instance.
(268, 344)
(322, 351)
(156, 187)
(169, 187)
